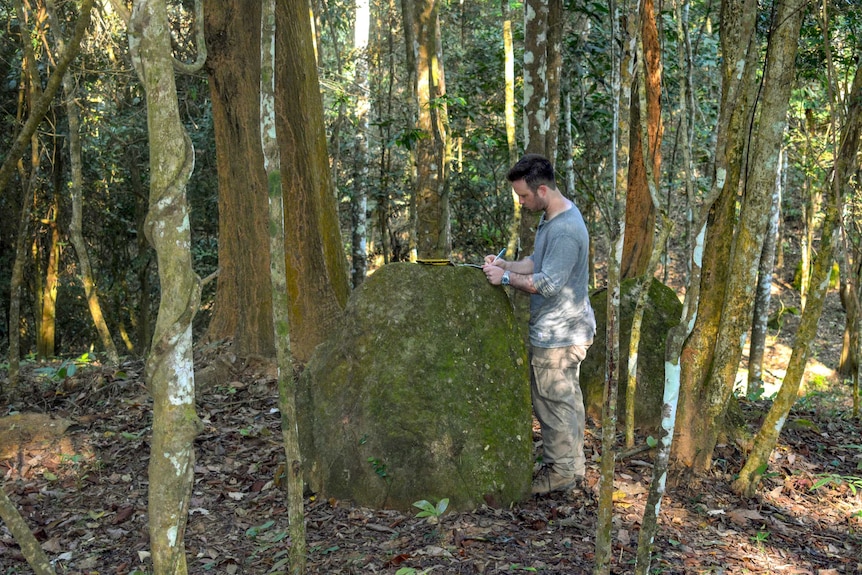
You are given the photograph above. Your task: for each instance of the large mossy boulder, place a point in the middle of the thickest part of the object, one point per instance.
(662, 312)
(422, 394)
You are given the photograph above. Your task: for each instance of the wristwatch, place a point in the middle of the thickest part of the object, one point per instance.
(505, 279)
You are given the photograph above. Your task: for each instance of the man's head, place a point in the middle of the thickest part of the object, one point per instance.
(532, 179)
(535, 170)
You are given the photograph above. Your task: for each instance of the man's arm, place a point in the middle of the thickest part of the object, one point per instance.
(520, 273)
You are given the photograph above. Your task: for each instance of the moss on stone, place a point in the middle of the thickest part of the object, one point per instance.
(662, 313)
(423, 394)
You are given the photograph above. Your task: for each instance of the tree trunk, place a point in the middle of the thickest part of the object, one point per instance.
(317, 273)
(513, 243)
(640, 211)
(45, 337)
(76, 186)
(432, 202)
(278, 283)
(846, 163)
(30, 548)
(763, 295)
(359, 202)
(243, 304)
(170, 367)
(738, 19)
(626, 36)
(535, 93)
(748, 240)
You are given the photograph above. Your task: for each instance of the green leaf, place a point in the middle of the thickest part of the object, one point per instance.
(651, 441)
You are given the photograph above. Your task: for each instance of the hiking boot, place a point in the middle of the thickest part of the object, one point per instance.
(549, 481)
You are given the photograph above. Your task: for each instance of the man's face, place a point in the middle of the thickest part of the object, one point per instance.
(532, 201)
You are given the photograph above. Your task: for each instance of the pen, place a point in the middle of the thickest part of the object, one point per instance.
(503, 251)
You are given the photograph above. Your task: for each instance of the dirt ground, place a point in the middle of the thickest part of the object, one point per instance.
(83, 491)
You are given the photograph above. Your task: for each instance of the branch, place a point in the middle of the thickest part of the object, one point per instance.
(200, 42)
(41, 106)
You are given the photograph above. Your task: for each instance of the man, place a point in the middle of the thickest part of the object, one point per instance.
(562, 324)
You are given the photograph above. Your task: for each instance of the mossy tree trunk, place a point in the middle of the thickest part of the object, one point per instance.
(846, 163)
(170, 368)
(738, 19)
(30, 548)
(748, 241)
(243, 303)
(317, 272)
(278, 284)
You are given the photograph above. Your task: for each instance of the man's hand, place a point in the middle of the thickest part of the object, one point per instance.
(494, 273)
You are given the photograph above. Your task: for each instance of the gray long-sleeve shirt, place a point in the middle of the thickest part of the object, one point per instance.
(560, 313)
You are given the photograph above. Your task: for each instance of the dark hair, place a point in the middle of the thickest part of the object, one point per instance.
(535, 170)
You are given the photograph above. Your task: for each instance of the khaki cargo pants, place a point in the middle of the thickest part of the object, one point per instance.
(559, 406)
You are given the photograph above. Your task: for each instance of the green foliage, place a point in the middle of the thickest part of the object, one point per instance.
(430, 510)
(852, 481)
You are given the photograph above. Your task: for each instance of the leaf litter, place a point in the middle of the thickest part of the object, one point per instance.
(86, 501)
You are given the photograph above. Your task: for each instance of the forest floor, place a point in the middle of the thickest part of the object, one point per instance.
(83, 489)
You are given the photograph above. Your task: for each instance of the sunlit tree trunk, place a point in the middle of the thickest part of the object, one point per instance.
(45, 336)
(748, 240)
(170, 367)
(640, 211)
(846, 164)
(278, 283)
(243, 302)
(75, 189)
(359, 202)
(763, 295)
(625, 35)
(317, 271)
(738, 19)
(432, 201)
(513, 243)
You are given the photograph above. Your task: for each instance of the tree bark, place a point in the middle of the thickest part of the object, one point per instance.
(30, 548)
(243, 303)
(748, 240)
(738, 19)
(359, 201)
(170, 367)
(433, 235)
(640, 211)
(763, 295)
(317, 272)
(846, 163)
(278, 283)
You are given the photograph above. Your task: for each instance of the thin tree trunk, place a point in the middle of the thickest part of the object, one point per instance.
(40, 107)
(846, 162)
(763, 296)
(432, 202)
(76, 186)
(170, 367)
(280, 293)
(359, 202)
(45, 336)
(623, 74)
(513, 244)
(30, 548)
